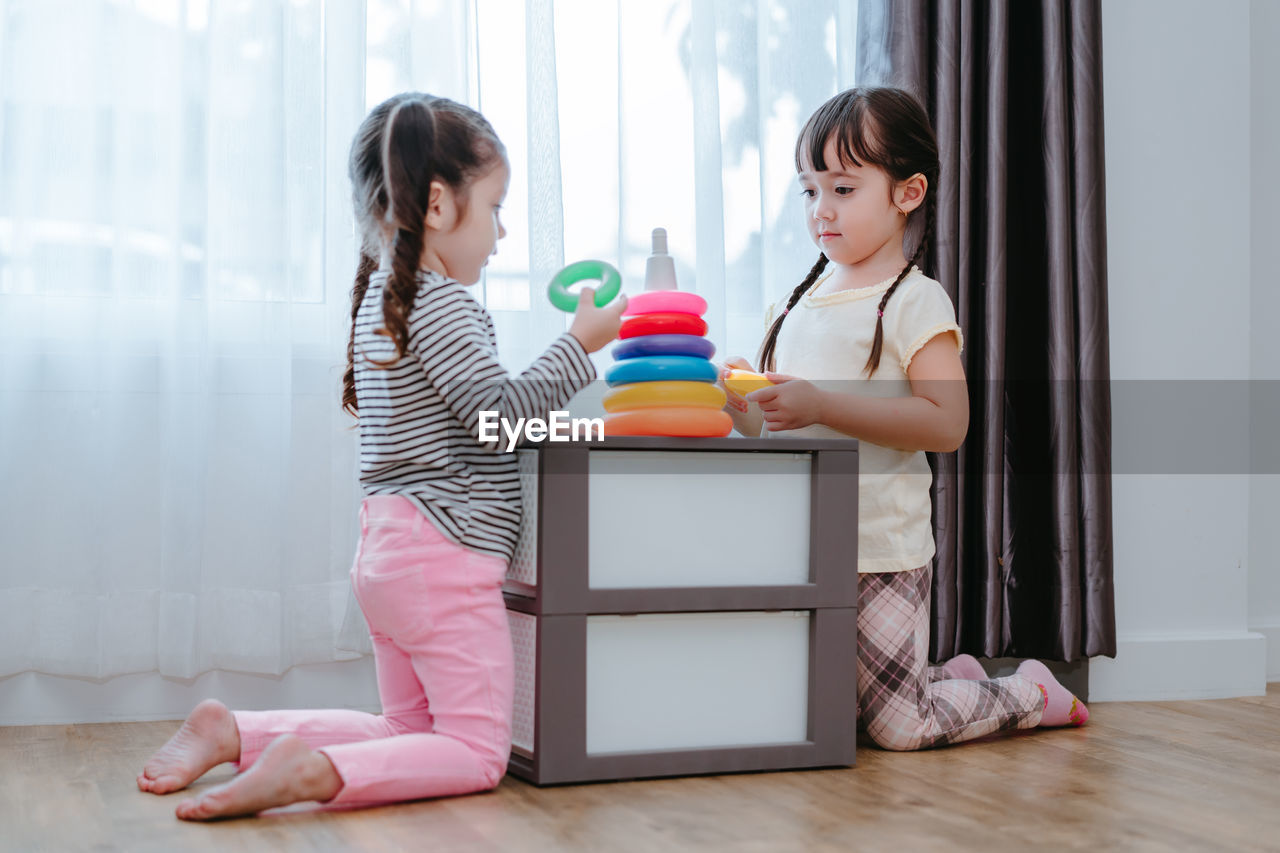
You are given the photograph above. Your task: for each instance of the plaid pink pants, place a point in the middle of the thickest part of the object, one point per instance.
(442, 648)
(906, 704)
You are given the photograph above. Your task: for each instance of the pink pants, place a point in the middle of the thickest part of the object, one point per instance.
(442, 648)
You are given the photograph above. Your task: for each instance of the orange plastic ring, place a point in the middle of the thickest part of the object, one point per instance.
(677, 421)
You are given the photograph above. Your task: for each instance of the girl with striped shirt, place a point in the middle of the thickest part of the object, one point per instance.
(442, 511)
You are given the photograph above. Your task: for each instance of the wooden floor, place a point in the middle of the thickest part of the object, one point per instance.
(1141, 776)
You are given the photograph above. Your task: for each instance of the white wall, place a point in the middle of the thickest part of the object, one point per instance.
(1264, 349)
(1177, 87)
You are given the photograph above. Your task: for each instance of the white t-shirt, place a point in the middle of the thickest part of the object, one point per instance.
(826, 339)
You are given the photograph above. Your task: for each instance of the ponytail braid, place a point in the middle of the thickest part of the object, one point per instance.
(401, 289)
(365, 269)
(765, 358)
(411, 127)
(873, 360)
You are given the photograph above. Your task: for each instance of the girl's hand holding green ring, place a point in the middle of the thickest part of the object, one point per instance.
(610, 284)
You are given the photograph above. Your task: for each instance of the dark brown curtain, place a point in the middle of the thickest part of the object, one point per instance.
(1022, 513)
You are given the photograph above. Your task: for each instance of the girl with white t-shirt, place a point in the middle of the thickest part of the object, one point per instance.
(878, 346)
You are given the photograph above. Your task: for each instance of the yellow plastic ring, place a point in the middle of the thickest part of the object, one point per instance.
(743, 382)
(646, 395)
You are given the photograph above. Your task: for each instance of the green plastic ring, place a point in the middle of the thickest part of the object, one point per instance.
(610, 284)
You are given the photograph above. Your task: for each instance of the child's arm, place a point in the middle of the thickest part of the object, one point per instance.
(452, 339)
(935, 417)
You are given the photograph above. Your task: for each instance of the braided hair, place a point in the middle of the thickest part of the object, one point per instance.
(770, 344)
(364, 270)
(404, 145)
(878, 126)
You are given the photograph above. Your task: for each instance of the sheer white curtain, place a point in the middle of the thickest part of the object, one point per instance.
(176, 483)
(626, 115)
(177, 486)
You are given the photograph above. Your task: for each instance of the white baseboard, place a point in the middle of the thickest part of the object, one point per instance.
(1198, 666)
(32, 698)
(1145, 669)
(1272, 633)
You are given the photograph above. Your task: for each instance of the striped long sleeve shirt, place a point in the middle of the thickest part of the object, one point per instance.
(419, 418)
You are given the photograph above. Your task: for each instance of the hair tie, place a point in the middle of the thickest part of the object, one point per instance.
(880, 312)
(784, 311)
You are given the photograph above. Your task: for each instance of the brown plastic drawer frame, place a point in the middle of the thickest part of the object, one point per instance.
(562, 600)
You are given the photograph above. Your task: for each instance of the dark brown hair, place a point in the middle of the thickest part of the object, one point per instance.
(405, 143)
(881, 127)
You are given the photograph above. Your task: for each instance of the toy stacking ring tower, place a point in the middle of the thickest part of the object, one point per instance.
(663, 381)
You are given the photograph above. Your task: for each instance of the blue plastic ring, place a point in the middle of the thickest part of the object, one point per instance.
(653, 368)
(691, 345)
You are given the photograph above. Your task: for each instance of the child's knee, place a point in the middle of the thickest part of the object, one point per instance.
(493, 755)
(897, 736)
(493, 768)
(895, 742)
(490, 751)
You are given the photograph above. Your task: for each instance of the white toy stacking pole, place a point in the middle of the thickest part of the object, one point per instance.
(660, 270)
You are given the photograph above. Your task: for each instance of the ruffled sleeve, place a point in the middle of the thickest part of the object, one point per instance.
(919, 315)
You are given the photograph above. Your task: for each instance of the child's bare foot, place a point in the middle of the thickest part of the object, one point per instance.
(207, 738)
(288, 771)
